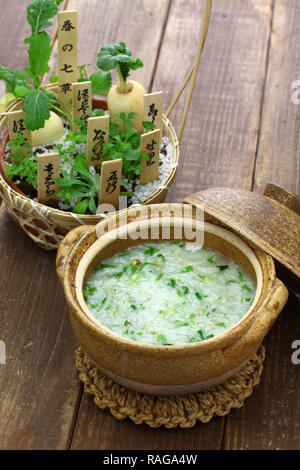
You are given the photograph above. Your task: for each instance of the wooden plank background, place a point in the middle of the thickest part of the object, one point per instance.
(242, 131)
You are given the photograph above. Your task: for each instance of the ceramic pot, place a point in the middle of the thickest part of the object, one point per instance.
(167, 369)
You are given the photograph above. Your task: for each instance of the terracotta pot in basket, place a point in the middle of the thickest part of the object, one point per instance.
(47, 226)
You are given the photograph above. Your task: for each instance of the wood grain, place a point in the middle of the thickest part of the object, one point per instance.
(13, 14)
(219, 142)
(38, 385)
(42, 406)
(271, 418)
(278, 159)
(97, 429)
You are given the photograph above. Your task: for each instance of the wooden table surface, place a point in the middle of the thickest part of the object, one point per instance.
(242, 131)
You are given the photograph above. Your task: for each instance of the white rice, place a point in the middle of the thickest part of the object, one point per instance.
(180, 297)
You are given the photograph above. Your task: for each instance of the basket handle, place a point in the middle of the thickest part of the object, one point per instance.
(193, 71)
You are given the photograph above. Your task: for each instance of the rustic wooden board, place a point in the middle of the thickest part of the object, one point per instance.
(219, 141)
(42, 406)
(271, 418)
(39, 389)
(278, 159)
(13, 55)
(38, 385)
(97, 429)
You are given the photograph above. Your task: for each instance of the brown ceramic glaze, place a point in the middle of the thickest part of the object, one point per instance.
(271, 221)
(167, 369)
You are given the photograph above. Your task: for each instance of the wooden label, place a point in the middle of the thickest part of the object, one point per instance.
(81, 103)
(150, 144)
(16, 126)
(110, 182)
(48, 171)
(153, 108)
(67, 55)
(97, 136)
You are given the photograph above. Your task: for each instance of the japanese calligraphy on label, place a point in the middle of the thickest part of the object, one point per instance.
(81, 103)
(150, 144)
(67, 54)
(97, 136)
(110, 182)
(153, 109)
(16, 126)
(48, 171)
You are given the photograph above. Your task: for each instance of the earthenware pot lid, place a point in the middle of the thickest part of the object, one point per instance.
(271, 221)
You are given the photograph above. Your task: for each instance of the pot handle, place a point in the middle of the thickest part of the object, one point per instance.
(266, 316)
(67, 245)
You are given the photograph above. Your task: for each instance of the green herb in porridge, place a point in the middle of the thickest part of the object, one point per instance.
(168, 293)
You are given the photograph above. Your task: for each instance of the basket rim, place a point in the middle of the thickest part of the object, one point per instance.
(85, 218)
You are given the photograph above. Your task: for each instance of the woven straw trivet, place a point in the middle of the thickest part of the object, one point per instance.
(169, 411)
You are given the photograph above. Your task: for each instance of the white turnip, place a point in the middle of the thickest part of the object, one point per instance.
(53, 130)
(127, 96)
(129, 99)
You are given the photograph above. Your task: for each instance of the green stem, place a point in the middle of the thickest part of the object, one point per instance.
(58, 110)
(122, 80)
(36, 83)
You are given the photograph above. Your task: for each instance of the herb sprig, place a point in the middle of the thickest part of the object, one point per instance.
(81, 185)
(23, 163)
(26, 85)
(125, 144)
(101, 81)
(118, 56)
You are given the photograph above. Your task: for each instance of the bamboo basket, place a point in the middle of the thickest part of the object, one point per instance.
(47, 226)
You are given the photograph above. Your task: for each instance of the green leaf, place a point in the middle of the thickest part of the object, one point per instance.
(92, 206)
(81, 206)
(132, 115)
(223, 267)
(162, 338)
(200, 333)
(132, 155)
(101, 82)
(36, 107)
(186, 269)
(21, 91)
(50, 95)
(148, 126)
(97, 112)
(13, 78)
(117, 56)
(53, 79)
(137, 64)
(39, 55)
(81, 163)
(39, 12)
